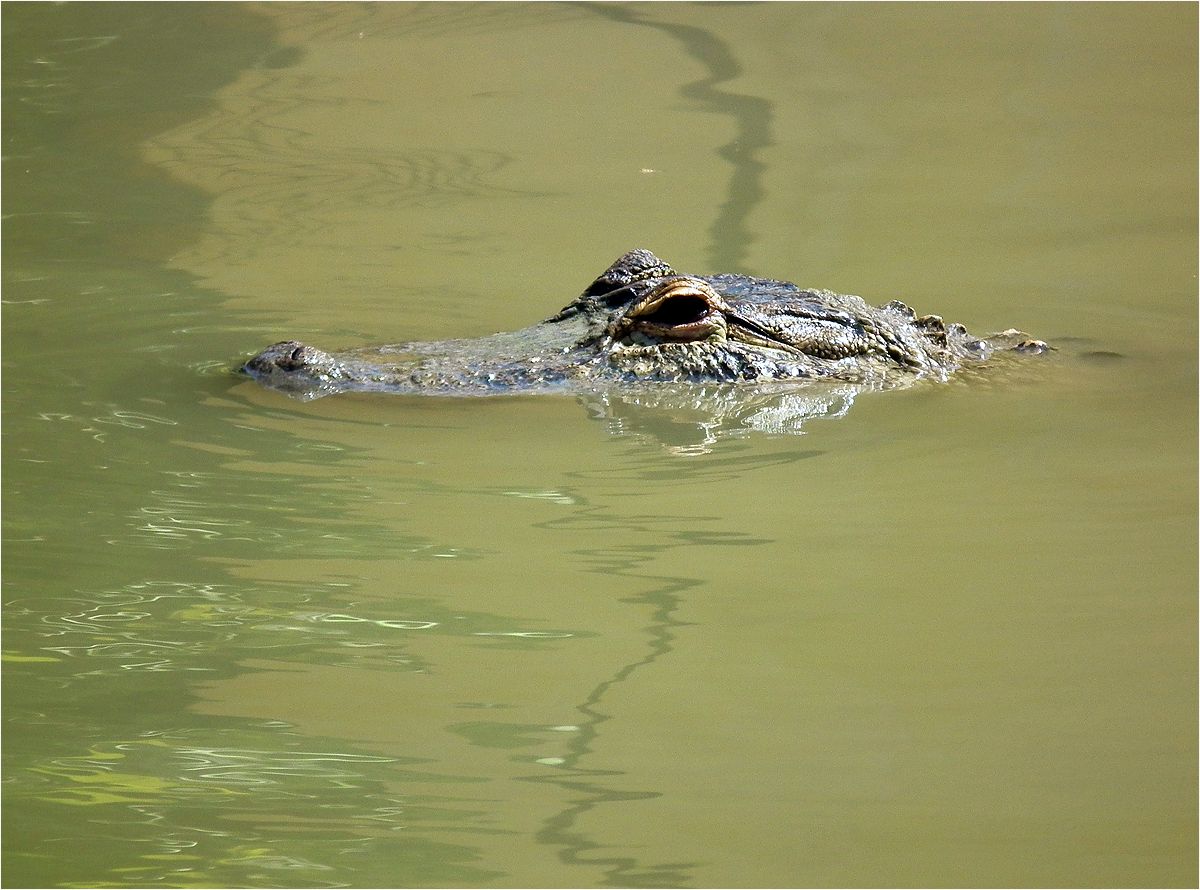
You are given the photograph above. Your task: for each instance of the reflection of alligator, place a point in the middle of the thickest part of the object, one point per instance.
(642, 321)
(690, 418)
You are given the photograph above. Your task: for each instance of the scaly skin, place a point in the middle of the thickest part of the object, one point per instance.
(640, 321)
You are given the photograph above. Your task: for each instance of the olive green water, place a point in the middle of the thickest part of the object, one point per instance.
(947, 638)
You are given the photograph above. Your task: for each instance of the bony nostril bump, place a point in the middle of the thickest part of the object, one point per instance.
(291, 356)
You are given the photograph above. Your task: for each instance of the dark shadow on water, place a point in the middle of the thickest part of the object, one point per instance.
(752, 116)
(587, 788)
(84, 85)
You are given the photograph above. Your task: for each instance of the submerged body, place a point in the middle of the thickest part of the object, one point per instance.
(641, 321)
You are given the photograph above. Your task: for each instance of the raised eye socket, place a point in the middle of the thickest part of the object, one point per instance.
(684, 309)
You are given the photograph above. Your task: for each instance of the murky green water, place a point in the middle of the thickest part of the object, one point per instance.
(947, 638)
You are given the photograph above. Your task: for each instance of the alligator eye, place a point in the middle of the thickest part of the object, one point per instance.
(682, 309)
(678, 310)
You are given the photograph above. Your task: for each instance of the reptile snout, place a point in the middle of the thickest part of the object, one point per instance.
(288, 355)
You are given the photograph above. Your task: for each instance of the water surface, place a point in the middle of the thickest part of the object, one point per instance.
(942, 636)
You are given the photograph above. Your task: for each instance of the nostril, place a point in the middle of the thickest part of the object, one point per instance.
(292, 359)
(289, 355)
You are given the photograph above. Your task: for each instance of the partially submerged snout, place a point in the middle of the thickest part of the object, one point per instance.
(680, 309)
(291, 365)
(640, 321)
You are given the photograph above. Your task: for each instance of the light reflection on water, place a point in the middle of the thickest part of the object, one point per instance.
(171, 784)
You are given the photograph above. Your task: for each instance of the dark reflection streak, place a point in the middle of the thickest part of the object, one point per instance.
(751, 116)
(558, 830)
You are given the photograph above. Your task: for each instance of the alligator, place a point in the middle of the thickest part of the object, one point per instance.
(643, 322)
